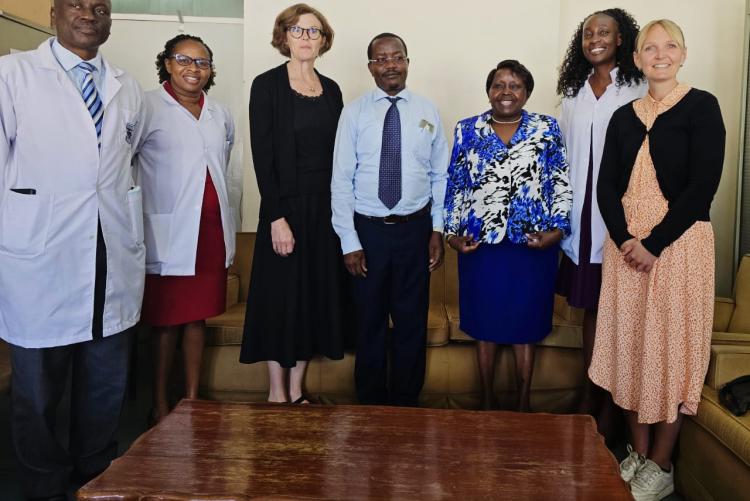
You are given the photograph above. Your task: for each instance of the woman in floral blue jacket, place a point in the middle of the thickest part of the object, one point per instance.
(506, 209)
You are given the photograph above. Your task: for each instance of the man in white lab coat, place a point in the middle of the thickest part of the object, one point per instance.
(71, 245)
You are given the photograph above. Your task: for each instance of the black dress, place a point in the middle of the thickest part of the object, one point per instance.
(299, 306)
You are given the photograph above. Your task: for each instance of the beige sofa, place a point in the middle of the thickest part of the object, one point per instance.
(713, 461)
(452, 377)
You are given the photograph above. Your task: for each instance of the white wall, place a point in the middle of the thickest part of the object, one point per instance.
(452, 46)
(134, 44)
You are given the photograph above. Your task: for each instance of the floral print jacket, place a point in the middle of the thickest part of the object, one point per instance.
(496, 189)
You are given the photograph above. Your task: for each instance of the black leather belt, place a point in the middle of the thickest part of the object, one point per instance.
(396, 218)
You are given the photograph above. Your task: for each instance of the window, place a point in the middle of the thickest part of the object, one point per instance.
(197, 8)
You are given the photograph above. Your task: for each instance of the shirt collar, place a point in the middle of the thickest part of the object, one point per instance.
(69, 60)
(381, 94)
(612, 75)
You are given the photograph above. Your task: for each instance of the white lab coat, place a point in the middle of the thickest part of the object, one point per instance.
(172, 158)
(583, 123)
(48, 239)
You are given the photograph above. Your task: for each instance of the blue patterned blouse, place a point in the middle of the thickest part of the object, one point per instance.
(496, 189)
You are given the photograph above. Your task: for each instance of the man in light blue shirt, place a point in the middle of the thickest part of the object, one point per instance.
(388, 185)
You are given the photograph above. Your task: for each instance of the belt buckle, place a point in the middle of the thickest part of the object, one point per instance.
(390, 219)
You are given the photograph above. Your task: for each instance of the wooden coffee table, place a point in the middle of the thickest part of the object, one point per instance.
(226, 451)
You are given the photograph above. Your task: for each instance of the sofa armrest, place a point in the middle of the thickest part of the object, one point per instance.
(730, 338)
(728, 362)
(723, 310)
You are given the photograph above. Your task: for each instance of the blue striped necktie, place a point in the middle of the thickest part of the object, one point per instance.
(389, 181)
(92, 99)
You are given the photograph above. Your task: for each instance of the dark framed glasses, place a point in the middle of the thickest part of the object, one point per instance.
(183, 60)
(312, 33)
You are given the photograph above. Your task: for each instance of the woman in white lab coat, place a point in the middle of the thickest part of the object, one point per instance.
(597, 76)
(189, 229)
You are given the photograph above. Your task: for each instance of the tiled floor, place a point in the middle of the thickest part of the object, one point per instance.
(133, 424)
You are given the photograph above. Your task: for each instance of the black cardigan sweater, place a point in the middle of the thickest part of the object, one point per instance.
(687, 148)
(272, 137)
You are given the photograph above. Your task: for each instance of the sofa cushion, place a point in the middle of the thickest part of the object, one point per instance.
(564, 334)
(723, 309)
(727, 362)
(566, 313)
(454, 320)
(730, 338)
(4, 367)
(226, 329)
(451, 378)
(438, 331)
(223, 377)
(233, 289)
(741, 316)
(732, 431)
(243, 261)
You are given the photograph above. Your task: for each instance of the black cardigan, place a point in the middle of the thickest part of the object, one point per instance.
(272, 136)
(687, 148)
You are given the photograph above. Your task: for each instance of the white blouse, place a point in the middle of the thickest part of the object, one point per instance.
(584, 122)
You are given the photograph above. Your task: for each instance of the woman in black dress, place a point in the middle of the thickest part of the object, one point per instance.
(296, 303)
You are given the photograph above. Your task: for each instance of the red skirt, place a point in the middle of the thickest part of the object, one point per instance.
(176, 300)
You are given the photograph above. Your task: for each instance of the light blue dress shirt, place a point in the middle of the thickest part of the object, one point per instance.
(356, 162)
(69, 62)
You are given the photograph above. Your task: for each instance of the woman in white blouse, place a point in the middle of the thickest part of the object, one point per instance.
(189, 228)
(597, 76)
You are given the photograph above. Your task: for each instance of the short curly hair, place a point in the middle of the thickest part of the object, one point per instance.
(291, 15)
(517, 69)
(169, 47)
(575, 69)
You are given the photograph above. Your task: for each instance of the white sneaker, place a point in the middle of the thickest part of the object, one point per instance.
(631, 464)
(651, 483)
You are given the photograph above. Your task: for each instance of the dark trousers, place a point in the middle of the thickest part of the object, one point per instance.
(98, 370)
(99, 380)
(397, 285)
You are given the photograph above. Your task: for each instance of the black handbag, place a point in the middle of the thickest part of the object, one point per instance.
(735, 395)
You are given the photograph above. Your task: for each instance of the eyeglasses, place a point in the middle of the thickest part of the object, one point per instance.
(312, 33)
(382, 61)
(183, 60)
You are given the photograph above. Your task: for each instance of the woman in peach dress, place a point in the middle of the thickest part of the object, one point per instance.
(660, 169)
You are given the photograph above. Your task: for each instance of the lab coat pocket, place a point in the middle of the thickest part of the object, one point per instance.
(127, 128)
(135, 210)
(157, 228)
(25, 224)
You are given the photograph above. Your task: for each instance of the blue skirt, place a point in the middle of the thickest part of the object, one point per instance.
(507, 292)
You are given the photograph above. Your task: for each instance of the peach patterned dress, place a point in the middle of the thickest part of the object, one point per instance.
(653, 333)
